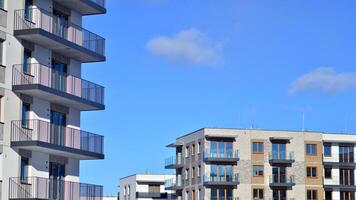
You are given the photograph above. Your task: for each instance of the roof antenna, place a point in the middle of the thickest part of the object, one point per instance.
(345, 123)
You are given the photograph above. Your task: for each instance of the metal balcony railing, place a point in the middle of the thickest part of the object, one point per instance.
(339, 158)
(42, 131)
(44, 188)
(35, 18)
(282, 156)
(282, 179)
(221, 156)
(35, 73)
(173, 161)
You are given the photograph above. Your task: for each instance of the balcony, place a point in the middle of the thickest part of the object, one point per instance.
(42, 136)
(151, 195)
(281, 182)
(334, 184)
(3, 18)
(338, 161)
(212, 157)
(285, 158)
(68, 39)
(85, 7)
(41, 81)
(35, 188)
(210, 181)
(173, 184)
(173, 162)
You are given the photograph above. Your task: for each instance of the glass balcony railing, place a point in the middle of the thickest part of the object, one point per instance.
(173, 184)
(281, 156)
(45, 132)
(173, 162)
(227, 156)
(43, 188)
(282, 180)
(38, 74)
(56, 27)
(222, 180)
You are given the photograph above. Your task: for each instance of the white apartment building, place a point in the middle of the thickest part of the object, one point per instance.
(42, 48)
(145, 187)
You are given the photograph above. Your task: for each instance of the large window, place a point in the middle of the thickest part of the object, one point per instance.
(257, 193)
(328, 195)
(327, 150)
(312, 172)
(347, 177)
(221, 149)
(27, 54)
(221, 194)
(1, 48)
(312, 195)
(25, 114)
(258, 170)
(310, 149)
(154, 188)
(279, 175)
(279, 151)
(279, 195)
(2, 4)
(347, 195)
(328, 172)
(257, 147)
(24, 169)
(222, 172)
(346, 153)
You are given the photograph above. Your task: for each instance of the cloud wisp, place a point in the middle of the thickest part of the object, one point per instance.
(187, 47)
(325, 80)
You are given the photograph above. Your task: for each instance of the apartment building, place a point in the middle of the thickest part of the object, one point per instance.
(145, 187)
(42, 95)
(226, 164)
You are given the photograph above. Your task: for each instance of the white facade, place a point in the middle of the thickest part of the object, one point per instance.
(145, 186)
(32, 149)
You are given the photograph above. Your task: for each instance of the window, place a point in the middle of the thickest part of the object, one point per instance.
(193, 194)
(1, 48)
(327, 150)
(346, 153)
(125, 190)
(128, 190)
(312, 195)
(327, 172)
(28, 9)
(25, 114)
(24, 168)
(199, 146)
(186, 153)
(310, 149)
(154, 189)
(257, 147)
(328, 195)
(186, 174)
(279, 194)
(27, 54)
(347, 177)
(257, 193)
(193, 172)
(2, 5)
(311, 172)
(192, 149)
(347, 195)
(199, 171)
(257, 170)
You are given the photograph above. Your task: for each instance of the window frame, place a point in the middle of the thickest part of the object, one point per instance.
(310, 170)
(258, 192)
(331, 173)
(257, 168)
(313, 194)
(259, 147)
(309, 149)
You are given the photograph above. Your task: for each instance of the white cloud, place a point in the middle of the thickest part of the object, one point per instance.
(188, 46)
(325, 80)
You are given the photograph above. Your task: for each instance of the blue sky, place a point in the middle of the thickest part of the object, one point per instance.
(174, 66)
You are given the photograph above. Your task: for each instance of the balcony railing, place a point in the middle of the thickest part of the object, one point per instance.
(44, 188)
(338, 159)
(151, 195)
(222, 180)
(221, 157)
(35, 73)
(173, 162)
(173, 184)
(39, 19)
(281, 157)
(42, 131)
(282, 181)
(3, 17)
